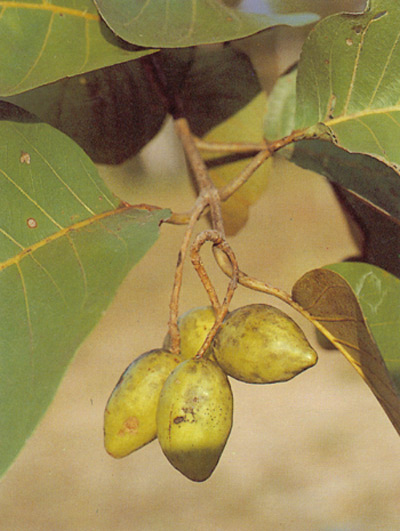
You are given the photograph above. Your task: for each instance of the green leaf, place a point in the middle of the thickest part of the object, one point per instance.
(182, 23)
(42, 41)
(348, 81)
(65, 246)
(381, 233)
(357, 307)
(372, 180)
(280, 117)
(217, 85)
(347, 100)
(111, 113)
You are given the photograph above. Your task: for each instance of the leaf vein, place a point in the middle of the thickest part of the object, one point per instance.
(56, 174)
(46, 6)
(27, 196)
(384, 70)
(62, 232)
(81, 267)
(356, 65)
(39, 55)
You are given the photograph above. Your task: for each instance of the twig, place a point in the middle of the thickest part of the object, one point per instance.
(229, 189)
(229, 147)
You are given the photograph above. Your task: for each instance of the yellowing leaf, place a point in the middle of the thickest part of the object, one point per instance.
(358, 309)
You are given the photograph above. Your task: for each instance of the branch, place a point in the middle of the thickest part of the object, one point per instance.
(200, 173)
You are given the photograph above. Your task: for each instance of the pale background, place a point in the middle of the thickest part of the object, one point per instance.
(316, 453)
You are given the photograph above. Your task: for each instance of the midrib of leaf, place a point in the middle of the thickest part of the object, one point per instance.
(28, 251)
(361, 114)
(354, 75)
(44, 6)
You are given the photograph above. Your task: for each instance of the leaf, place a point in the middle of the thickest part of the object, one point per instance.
(111, 113)
(357, 307)
(382, 240)
(244, 126)
(348, 81)
(41, 42)
(217, 85)
(374, 181)
(182, 23)
(280, 117)
(65, 246)
(378, 294)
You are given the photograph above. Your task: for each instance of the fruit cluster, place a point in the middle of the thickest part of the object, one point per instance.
(186, 401)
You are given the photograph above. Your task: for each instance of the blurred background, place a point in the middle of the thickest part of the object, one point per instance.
(315, 453)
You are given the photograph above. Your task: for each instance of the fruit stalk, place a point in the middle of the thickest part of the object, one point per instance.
(221, 310)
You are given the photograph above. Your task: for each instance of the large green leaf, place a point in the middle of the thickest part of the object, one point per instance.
(181, 23)
(358, 307)
(217, 85)
(348, 81)
(43, 41)
(65, 246)
(111, 113)
(381, 233)
(373, 179)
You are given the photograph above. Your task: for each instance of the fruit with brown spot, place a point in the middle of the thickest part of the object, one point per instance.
(130, 413)
(194, 417)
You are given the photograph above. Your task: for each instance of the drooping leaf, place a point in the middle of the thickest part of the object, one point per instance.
(111, 113)
(357, 306)
(382, 233)
(375, 181)
(114, 112)
(182, 23)
(65, 246)
(43, 41)
(244, 126)
(218, 84)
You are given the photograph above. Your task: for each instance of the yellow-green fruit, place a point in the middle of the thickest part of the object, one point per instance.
(194, 326)
(130, 414)
(261, 344)
(194, 417)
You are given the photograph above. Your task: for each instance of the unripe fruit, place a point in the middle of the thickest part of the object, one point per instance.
(261, 344)
(194, 417)
(130, 414)
(194, 326)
